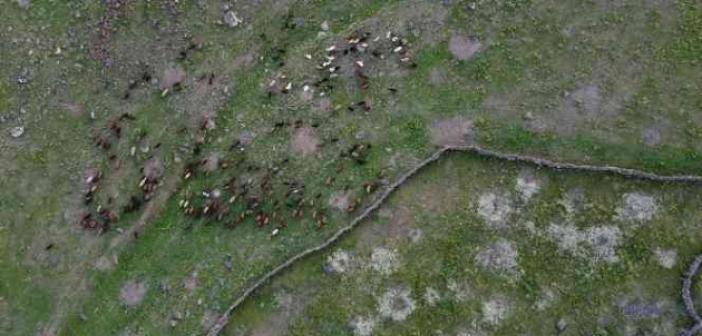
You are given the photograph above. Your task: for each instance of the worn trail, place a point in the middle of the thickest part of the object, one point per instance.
(477, 150)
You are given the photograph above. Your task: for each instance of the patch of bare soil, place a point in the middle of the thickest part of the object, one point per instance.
(495, 208)
(396, 304)
(288, 307)
(340, 200)
(362, 325)
(400, 225)
(455, 131)
(464, 47)
(500, 257)
(190, 282)
(496, 309)
(304, 141)
(323, 104)
(172, 76)
(528, 184)
(438, 76)
(384, 261)
(74, 109)
(210, 163)
(651, 136)
(339, 262)
(133, 292)
(153, 168)
(637, 207)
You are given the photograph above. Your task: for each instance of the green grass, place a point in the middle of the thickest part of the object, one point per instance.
(644, 60)
(585, 290)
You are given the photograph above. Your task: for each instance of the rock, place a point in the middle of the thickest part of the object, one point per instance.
(324, 26)
(228, 263)
(17, 132)
(230, 19)
(24, 4)
(561, 325)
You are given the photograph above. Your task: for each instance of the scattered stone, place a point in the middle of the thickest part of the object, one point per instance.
(495, 208)
(362, 326)
(464, 47)
(500, 257)
(527, 185)
(231, 19)
(133, 292)
(396, 304)
(339, 262)
(431, 296)
(496, 309)
(666, 258)
(455, 131)
(642, 310)
(637, 207)
(384, 261)
(17, 131)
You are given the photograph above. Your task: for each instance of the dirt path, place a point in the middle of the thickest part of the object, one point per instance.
(472, 149)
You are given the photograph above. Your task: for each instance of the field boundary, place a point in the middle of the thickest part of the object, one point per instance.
(476, 150)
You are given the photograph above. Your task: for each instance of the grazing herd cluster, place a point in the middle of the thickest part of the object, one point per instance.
(256, 192)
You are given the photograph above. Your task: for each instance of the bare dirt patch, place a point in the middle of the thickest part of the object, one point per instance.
(464, 47)
(153, 168)
(455, 131)
(304, 141)
(431, 296)
(528, 184)
(133, 293)
(496, 309)
(651, 136)
(362, 326)
(339, 262)
(396, 304)
(190, 282)
(384, 260)
(601, 241)
(495, 208)
(461, 290)
(172, 76)
(210, 163)
(289, 306)
(340, 200)
(637, 207)
(500, 257)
